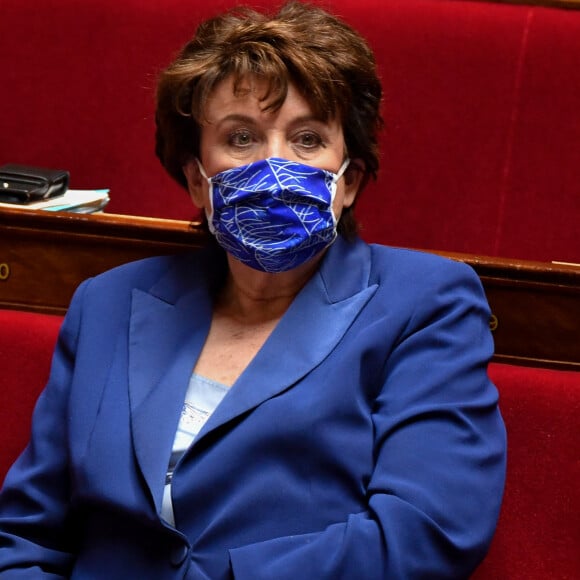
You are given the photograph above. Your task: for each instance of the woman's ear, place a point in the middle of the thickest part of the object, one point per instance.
(353, 180)
(195, 183)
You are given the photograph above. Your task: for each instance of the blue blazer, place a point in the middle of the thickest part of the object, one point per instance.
(363, 441)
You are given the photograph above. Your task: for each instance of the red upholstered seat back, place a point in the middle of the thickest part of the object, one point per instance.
(539, 530)
(480, 152)
(27, 341)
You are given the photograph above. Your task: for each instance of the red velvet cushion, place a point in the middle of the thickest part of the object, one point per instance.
(538, 532)
(541, 198)
(448, 70)
(480, 152)
(27, 341)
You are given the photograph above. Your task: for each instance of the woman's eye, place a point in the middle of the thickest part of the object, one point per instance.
(240, 139)
(309, 140)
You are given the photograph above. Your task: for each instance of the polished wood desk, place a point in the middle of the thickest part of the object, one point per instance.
(44, 256)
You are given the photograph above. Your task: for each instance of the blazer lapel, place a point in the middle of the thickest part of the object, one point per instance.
(306, 334)
(166, 337)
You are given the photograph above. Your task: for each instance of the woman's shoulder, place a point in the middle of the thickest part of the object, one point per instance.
(421, 285)
(388, 261)
(142, 273)
(412, 277)
(170, 275)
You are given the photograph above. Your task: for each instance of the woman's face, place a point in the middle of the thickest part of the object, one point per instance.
(236, 131)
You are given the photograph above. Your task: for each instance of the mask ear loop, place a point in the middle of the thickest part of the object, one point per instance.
(208, 215)
(202, 170)
(334, 187)
(343, 168)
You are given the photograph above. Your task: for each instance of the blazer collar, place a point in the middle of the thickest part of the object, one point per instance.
(168, 328)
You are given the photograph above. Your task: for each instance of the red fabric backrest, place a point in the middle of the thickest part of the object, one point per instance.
(27, 342)
(480, 153)
(539, 530)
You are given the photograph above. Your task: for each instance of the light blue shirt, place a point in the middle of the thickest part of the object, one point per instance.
(201, 399)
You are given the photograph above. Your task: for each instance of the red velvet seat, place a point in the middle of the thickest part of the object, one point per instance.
(539, 531)
(27, 341)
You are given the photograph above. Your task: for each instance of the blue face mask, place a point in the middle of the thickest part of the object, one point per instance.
(273, 214)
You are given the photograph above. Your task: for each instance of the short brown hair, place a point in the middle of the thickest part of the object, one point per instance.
(329, 63)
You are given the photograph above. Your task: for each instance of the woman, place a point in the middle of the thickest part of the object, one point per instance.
(288, 402)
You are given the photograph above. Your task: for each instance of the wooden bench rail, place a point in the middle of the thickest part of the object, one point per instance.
(44, 256)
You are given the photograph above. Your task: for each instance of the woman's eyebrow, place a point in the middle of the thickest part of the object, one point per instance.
(236, 117)
(249, 120)
(309, 118)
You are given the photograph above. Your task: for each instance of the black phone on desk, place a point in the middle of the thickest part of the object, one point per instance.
(22, 184)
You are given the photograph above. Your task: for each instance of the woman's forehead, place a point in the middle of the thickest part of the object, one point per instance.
(252, 95)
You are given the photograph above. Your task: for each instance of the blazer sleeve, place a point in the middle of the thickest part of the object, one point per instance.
(435, 493)
(35, 538)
